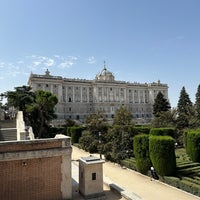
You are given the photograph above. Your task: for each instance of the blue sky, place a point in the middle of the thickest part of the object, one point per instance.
(140, 40)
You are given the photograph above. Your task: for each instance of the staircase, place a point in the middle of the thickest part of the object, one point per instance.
(8, 130)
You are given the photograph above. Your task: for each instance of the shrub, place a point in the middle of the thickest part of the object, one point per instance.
(141, 130)
(141, 152)
(69, 131)
(129, 163)
(173, 181)
(163, 132)
(85, 140)
(193, 147)
(75, 134)
(190, 187)
(185, 139)
(162, 154)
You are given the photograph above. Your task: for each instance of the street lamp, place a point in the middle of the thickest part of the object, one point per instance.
(100, 145)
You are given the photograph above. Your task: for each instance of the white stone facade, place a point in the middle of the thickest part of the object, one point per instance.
(77, 98)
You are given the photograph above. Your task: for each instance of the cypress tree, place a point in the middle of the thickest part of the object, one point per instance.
(197, 103)
(161, 104)
(184, 102)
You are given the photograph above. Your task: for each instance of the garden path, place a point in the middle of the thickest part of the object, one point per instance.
(135, 183)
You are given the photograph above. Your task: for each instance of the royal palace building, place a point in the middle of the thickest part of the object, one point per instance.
(78, 98)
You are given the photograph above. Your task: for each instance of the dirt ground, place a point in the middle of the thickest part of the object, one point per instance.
(136, 183)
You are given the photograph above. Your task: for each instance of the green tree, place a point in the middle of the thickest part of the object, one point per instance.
(122, 117)
(161, 104)
(197, 106)
(185, 110)
(184, 102)
(96, 122)
(165, 119)
(42, 111)
(20, 98)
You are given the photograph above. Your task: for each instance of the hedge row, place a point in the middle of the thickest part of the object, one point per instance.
(162, 154)
(192, 141)
(163, 132)
(186, 184)
(158, 151)
(141, 152)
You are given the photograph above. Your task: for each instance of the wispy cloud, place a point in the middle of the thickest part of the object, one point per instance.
(91, 60)
(68, 61)
(34, 63)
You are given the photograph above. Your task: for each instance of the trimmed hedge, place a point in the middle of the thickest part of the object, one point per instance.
(162, 154)
(141, 152)
(186, 184)
(163, 132)
(193, 145)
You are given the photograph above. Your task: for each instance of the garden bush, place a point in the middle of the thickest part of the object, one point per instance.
(75, 133)
(162, 154)
(193, 145)
(141, 130)
(141, 152)
(130, 163)
(163, 132)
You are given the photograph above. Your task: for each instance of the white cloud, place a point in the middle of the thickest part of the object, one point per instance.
(91, 60)
(36, 63)
(67, 62)
(49, 62)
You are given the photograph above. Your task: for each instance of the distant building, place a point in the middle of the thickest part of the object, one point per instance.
(78, 98)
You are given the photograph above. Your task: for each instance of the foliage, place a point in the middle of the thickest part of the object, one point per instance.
(193, 147)
(122, 117)
(141, 130)
(163, 132)
(76, 133)
(119, 143)
(160, 104)
(141, 152)
(162, 154)
(19, 98)
(197, 106)
(96, 123)
(129, 163)
(41, 111)
(165, 119)
(88, 143)
(184, 102)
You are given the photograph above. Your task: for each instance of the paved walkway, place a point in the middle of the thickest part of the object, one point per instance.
(135, 184)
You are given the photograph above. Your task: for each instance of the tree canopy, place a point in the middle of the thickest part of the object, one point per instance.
(43, 110)
(122, 116)
(184, 102)
(161, 104)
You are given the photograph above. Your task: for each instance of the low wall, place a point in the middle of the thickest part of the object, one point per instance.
(36, 169)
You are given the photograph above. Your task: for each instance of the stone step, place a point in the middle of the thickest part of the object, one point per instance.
(10, 123)
(8, 134)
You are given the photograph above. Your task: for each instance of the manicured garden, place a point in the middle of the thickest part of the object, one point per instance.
(187, 176)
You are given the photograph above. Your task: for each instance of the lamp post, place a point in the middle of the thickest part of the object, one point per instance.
(100, 145)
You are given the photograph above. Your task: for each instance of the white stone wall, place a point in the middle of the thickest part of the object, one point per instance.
(77, 98)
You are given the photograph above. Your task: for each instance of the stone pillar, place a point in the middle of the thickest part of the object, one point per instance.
(91, 177)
